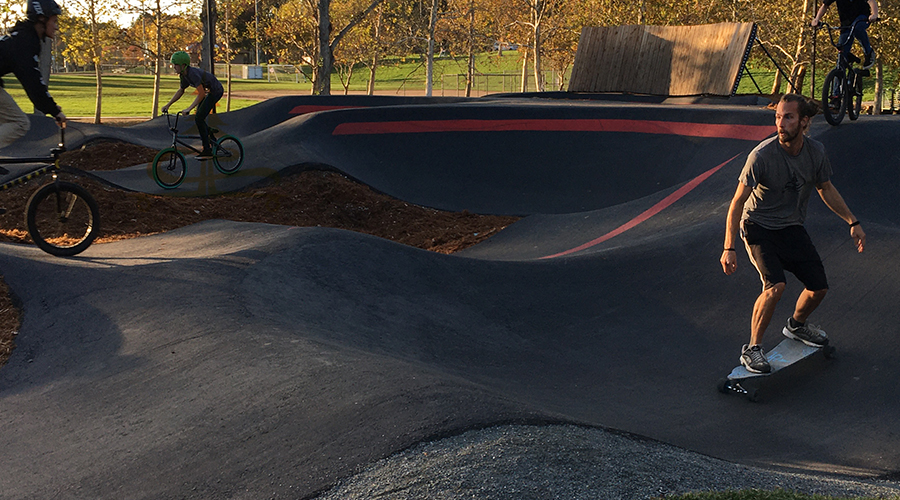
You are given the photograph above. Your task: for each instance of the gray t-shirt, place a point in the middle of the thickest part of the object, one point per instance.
(782, 183)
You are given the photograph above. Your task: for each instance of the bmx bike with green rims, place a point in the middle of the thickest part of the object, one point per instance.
(842, 92)
(169, 166)
(62, 218)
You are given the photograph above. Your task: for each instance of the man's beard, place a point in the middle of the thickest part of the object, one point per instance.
(786, 136)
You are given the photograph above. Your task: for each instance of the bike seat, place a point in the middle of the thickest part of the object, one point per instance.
(213, 130)
(853, 59)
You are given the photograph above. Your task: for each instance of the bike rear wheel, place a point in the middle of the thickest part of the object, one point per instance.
(62, 218)
(854, 97)
(834, 102)
(229, 154)
(169, 168)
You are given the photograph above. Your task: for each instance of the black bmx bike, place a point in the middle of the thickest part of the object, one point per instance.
(842, 91)
(62, 218)
(169, 165)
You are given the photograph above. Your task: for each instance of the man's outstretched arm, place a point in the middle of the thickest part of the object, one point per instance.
(836, 203)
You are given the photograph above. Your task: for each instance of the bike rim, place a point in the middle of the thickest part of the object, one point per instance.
(63, 219)
(169, 169)
(229, 156)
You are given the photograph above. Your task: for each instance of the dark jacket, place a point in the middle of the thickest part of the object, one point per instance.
(19, 54)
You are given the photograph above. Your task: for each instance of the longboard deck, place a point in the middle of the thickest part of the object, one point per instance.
(786, 353)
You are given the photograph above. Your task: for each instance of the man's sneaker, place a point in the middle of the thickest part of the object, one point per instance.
(810, 335)
(870, 59)
(204, 155)
(754, 359)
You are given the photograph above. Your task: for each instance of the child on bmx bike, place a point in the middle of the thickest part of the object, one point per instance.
(855, 16)
(209, 91)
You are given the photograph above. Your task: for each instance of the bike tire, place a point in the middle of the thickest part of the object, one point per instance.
(169, 168)
(62, 218)
(834, 102)
(854, 97)
(229, 154)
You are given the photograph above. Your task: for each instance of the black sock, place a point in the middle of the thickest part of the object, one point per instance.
(795, 324)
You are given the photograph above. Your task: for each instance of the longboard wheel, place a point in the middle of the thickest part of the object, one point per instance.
(722, 385)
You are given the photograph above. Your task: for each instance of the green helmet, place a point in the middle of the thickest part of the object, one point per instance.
(181, 57)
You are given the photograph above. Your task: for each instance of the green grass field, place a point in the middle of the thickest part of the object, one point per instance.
(126, 95)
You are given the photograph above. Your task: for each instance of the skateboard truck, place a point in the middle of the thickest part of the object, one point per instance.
(787, 353)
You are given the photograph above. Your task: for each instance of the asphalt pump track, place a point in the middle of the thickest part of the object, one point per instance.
(240, 360)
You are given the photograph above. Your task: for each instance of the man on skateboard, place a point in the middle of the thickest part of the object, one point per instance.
(769, 207)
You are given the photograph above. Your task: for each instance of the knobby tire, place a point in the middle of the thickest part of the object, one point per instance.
(854, 97)
(834, 98)
(62, 218)
(169, 168)
(229, 155)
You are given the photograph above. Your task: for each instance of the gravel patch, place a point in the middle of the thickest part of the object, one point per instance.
(571, 462)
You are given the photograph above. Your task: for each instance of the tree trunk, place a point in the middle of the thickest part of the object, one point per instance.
(208, 43)
(470, 63)
(525, 72)
(322, 85)
(776, 84)
(157, 71)
(99, 103)
(429, 63)
(158, 65)
(370, 88)
(227, 61)
(879, 88)
(538, 78)
(349, 76)
(96, 52)
(798, 75)
(799, 69)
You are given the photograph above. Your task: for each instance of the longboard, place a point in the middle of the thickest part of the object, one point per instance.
(785, 354)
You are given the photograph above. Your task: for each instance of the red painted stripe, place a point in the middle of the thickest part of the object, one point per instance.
(650, 212)
(719, 130)
(302, 110)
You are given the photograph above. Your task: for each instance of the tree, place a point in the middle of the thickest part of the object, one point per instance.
(86, 37)
(159, 30)
(291, 30)
(535, 16)
(327, 45)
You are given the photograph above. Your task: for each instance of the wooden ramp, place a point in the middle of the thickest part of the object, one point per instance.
(662, 60)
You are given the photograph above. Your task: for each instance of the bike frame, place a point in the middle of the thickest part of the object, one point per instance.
(176, 138)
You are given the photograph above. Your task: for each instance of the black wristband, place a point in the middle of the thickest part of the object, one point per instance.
(730, 250)
(854, 223)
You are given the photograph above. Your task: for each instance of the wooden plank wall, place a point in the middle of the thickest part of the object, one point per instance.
(660, 60)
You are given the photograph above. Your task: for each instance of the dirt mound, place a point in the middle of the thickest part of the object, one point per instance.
(306, 198)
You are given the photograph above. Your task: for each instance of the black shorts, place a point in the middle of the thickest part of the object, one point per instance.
(775, 251)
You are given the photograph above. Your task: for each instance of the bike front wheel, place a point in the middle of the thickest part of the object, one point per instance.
(62, 218)
(229, 154)
(854, 97)
(834, 101)
(169, 168)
